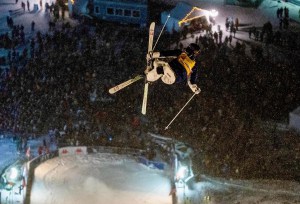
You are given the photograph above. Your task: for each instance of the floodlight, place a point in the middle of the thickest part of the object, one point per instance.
(13, 173)
(213, 13)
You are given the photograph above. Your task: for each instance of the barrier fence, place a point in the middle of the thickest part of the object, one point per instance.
(31, 165)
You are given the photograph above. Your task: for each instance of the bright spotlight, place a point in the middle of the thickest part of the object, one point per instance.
(13, 173)
(213, 13)
(181, 173)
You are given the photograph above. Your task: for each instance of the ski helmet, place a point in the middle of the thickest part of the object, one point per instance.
(192, 50)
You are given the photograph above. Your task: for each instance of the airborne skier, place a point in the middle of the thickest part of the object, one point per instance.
(181, 68)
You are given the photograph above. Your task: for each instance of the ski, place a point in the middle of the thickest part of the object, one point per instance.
(145, 98)
(149, 66)
(125, 84)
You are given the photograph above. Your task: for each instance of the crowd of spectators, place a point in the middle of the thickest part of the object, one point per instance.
(62, 82)
(11, 40)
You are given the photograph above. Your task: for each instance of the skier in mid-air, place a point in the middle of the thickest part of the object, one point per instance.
(172, 66)
(181, 68)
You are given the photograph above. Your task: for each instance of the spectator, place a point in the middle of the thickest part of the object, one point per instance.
(40, 150)
(28, 6)
(234, 31)
(220, 36)
(237, 23)
(23, 6)
(230, 39)
(32, 26)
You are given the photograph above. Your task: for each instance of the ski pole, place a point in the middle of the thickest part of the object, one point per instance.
(161, 31)
(180, 111)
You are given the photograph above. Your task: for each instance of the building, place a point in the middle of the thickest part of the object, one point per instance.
(122, 11)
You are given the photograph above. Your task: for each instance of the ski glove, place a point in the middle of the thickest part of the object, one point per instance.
(195, 88)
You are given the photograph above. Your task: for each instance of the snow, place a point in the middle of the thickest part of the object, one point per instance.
(99, 178)
(8, 152)
(109, 178)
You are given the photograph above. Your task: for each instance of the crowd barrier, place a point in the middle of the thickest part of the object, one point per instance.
(29, 172)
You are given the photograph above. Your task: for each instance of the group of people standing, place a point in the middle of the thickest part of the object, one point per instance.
(283, 16)
(232, 25)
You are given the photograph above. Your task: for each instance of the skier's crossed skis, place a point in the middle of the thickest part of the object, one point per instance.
(137, 78)
(169, 76)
